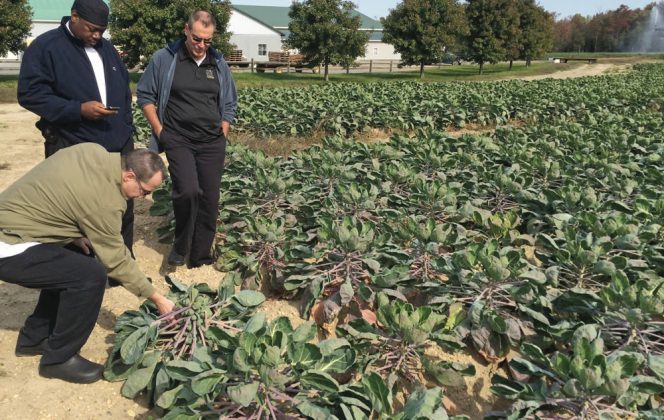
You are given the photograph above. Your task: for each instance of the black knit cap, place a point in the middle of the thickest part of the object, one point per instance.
(94, 11)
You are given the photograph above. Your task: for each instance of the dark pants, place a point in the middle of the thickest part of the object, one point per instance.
(53, 142)
(72, 288)
(196, 170)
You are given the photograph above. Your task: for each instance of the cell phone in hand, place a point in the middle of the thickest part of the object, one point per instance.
(112, 108)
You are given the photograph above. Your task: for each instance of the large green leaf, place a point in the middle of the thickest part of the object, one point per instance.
(314, 379)
(315, 411)
(304, 355)
(241, 360)
(140, 378)
(175, 285)
(243, 394)
(116, 370)
(528, 368)
(205, 382)
(378, 392)
(183, 370)
(330, 345)
(425, 404)
(249, 298)
(305, 332)
(271, 356)
(346, 292)
(133, 346)
(339, 361)
(167, 399)
(656, 363)
(647, 384)
(255, 323)
(506, 388)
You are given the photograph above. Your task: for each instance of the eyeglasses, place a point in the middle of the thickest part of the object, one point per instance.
(141, 190)
(198, 40)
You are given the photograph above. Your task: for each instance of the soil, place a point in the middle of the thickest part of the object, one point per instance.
(25, 395)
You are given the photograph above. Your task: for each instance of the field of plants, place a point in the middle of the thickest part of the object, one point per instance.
(538, 247)
(349, 108)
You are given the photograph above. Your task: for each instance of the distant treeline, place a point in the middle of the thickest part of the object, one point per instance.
(619, 30)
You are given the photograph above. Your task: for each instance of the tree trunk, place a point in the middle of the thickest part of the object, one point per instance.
(348, 69)
(327, 71)
(481, 66)
(511, 62)
(422, 69)
(528, 62)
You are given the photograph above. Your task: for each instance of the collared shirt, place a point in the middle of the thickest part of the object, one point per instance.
(193, 108)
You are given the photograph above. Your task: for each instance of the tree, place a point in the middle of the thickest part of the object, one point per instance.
(15, 22)
(356, 45)
(141, 27)
(509, 31)
(423, 30)
(487, 31)
(536, 30)
(578, 37)
(326, 32)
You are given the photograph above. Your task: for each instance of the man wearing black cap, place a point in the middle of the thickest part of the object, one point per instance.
(75, 81)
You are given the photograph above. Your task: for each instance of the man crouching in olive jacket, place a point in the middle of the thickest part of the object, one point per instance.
(67, 206)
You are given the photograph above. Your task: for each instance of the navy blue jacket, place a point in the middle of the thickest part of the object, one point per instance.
(56, 77)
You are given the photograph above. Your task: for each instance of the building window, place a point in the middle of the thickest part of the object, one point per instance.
(262, 49)
(375, 50)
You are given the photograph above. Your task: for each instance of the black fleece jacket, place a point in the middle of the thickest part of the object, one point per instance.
(56, 77)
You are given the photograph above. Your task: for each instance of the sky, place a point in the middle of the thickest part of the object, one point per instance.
(562, 8)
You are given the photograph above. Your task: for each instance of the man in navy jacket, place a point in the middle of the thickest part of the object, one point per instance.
(75, 81)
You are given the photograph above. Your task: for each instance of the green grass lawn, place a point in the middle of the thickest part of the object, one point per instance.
(466, 72)
(442, 74)
(8, 81)
(657, 56)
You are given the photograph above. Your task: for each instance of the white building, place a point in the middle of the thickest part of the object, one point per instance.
(259, 29)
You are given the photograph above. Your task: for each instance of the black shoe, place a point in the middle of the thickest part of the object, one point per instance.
(76, 370)
(36, 350)
(206, 261)
(175, 259)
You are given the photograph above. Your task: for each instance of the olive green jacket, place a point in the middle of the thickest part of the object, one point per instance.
(75, 193)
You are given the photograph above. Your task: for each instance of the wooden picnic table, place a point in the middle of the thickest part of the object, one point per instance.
(566, 59)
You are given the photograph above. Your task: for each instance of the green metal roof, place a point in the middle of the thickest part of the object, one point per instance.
(367, 22)
(373, 35)
(270, 16)
(51, 9)
(277, 17)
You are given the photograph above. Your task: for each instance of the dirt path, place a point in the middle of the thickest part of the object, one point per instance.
(581, 71)
(25, 395)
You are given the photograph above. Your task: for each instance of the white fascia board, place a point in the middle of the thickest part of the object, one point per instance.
(241, 24)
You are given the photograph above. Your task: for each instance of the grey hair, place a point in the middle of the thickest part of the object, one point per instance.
(144, 163)
(204, 17)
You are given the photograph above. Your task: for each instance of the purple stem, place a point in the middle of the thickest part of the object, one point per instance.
(173, 313)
